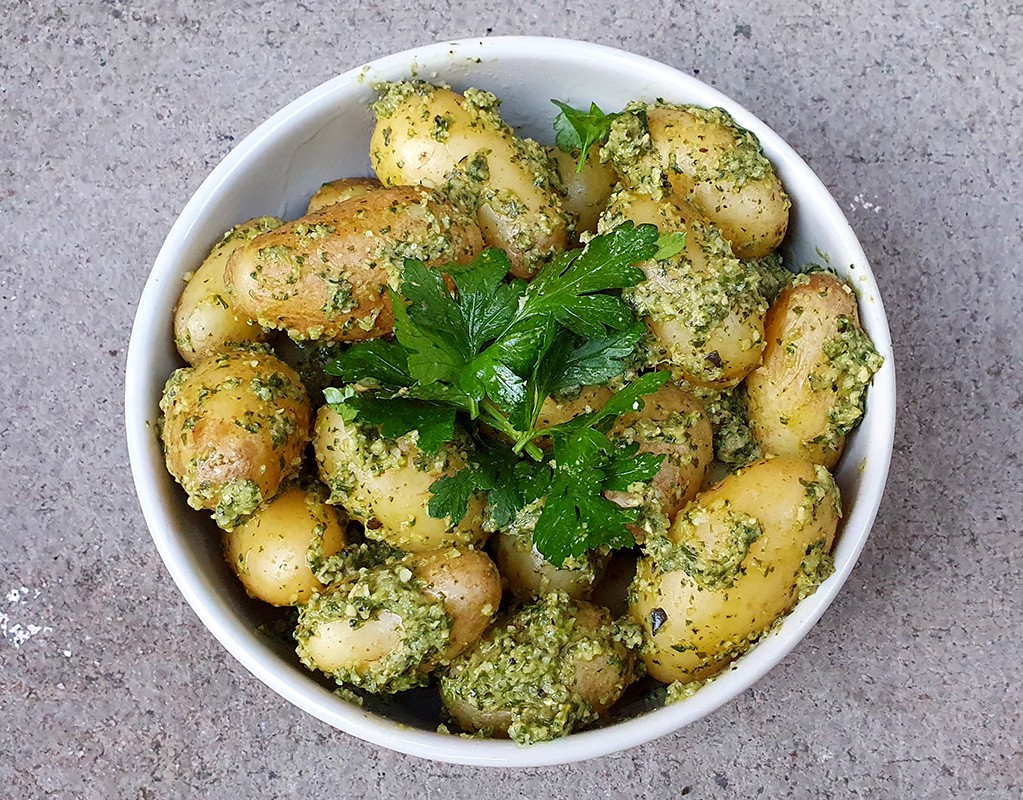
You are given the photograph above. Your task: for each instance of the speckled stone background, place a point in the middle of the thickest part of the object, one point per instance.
(112, 112)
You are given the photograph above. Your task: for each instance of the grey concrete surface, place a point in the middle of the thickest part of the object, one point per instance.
(112, 112)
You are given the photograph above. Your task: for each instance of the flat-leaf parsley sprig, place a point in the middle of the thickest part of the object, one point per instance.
(493, 350)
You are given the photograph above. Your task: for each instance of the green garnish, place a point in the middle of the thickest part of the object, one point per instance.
(577, 130)
(494, 350)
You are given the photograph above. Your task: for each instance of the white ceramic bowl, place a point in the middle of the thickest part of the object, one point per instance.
(325, 134)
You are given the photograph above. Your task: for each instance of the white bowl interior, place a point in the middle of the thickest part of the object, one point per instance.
(324, 135)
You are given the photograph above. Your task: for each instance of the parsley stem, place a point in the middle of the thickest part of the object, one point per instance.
(522, 441)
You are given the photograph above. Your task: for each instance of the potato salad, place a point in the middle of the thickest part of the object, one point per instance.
(541, 427)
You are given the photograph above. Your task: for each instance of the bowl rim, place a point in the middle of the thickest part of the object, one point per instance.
(320, 702)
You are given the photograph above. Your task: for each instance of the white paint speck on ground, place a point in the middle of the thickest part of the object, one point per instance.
(859, 201)
(18, 631)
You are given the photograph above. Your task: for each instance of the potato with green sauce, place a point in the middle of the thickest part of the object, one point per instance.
(702, 305)
(701, 156)
(233, 430)
(388, 619)
(735, 561)
(385, 484)
(206, 320)
(542, 671)
(276, 550)
(459, 145)
(810, 390)
(326, 275)
(334, 192)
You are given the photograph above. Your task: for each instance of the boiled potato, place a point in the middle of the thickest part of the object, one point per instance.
(586, 190)
(234, 429)
(542, 671)
(700, 156)
(556, 410)
(459, 145)
(736, 559)
(385, 626)
(702, 305)
(674, 424)
(338, 191)
(529, 574)
(810, 390)
(206, 320)
(469, 585)
(326, 275)
(275, 550)
(385, 484)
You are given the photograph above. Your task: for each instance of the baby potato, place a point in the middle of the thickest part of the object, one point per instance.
(338, 191)
(586, 191)
(385, 484)
(810, 390)
(702, 305)
(206, 320)
(556, 410)
(735, 561)
(385, 626)
(234, 429)
(703, 157)
(529, 574)
(459, 145)
(542, 671)
(274, 551)
(674, 424)
(326, 275)
(468, 584)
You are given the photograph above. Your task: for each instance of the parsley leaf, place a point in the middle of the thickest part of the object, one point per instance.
(397, 416)
(577, 130)
(576, 516)
(379, 361)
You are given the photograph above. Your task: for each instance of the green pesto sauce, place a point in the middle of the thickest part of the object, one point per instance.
(699, 299)
(392, 95)
(851, 363)
(238, 499)
(734, 444)
(629, 149)
(745, 162)
(678, 691)
(712, 568)
(387, 586)
(773, 274)
(525, 666)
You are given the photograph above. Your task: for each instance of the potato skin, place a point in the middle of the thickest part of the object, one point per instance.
(809, 391)
(703, 306)
(206, 320)
(573, 650)
(233, 431)
(703, 157)
(735, 561)
(458, 144)
(586, 192)
(338, 191)
(385, 484)
(468, 584)
(326, 275)
(270, 551)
